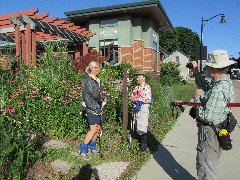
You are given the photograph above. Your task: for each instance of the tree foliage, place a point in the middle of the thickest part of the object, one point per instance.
(180, 38)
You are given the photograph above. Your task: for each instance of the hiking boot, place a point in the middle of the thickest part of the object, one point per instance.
(84, 151)
(92, 147)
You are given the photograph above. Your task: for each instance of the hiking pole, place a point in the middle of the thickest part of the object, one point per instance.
(194, 104)
(132, 128)
(180, 105)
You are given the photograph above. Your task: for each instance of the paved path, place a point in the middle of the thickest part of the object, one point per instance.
(176, 156)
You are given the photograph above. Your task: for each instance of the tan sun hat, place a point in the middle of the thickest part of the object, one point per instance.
(141, 72)
(219, 59)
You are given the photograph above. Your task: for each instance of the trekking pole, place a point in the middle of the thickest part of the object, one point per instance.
(132, 129)
(180, 105)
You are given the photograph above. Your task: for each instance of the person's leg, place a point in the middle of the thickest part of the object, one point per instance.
(91, 133)
(142, 126)
(208, 154)
(89, 136)
(92, 146)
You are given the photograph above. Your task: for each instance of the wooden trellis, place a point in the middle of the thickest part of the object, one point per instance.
(28, 29)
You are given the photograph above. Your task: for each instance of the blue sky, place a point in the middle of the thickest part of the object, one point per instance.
(186, 13)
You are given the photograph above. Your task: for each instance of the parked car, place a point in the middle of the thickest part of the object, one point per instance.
(235, 73)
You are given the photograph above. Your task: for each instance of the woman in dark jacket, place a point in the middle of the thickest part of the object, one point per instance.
(91, 92)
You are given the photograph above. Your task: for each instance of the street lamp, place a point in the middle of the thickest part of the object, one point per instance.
(204, 21)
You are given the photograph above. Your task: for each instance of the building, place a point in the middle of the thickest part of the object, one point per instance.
(131, 31)
(179, 57)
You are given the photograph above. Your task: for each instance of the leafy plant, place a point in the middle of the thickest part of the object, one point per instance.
(170, 73)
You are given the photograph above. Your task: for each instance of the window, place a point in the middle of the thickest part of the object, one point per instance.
(177, 59)
(108, 23)
(109, 46)
(154, 56)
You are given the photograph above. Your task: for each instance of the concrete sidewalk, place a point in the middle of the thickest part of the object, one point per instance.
(176, 156)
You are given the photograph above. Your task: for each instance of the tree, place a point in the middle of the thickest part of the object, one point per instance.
(180, 38)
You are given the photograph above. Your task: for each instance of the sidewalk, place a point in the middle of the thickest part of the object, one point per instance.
(176, 156)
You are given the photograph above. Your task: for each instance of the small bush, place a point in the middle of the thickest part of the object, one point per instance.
(170, 73)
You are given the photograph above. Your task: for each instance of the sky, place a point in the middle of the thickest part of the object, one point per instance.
(185, 13)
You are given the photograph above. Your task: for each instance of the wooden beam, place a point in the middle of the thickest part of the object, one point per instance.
(23, 47)
(40, 16)
(17, 41)
(85, 48)
(49, 20)
(18, 14)
(34, 48)
(59, 22)
(28, 44)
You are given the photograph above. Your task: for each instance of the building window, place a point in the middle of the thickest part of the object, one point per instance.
(177, 59)
(108, 23)
(109, 46)
(154, 56)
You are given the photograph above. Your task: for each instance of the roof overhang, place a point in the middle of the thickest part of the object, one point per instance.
(151, 8)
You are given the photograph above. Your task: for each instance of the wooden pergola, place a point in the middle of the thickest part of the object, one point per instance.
(27, 29)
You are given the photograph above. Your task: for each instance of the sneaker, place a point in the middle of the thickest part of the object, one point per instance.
(84, 156)
(94, 151)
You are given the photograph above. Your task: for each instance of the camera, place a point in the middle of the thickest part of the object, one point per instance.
(189, 65)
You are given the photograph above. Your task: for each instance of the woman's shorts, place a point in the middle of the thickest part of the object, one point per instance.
(95, 119)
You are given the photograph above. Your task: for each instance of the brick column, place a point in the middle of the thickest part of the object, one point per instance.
(137, 58)
(148, 59)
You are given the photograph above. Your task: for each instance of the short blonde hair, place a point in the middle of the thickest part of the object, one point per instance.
(90, 66)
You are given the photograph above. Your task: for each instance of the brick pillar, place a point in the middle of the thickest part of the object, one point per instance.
(137, 58)
(148, 59)
(126, 53)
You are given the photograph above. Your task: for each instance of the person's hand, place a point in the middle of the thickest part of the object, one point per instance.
(98, 110)
(195, 67)
(196, 94)
(134, 98)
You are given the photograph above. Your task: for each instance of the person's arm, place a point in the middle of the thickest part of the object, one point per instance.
(200, 80)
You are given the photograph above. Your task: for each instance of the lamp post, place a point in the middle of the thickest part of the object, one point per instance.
(203, 22)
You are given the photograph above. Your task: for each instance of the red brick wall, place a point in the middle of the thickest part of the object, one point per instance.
(137, 57)
(126, 53)
(148, 59)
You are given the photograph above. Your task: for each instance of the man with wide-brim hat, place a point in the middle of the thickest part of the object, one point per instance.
(141, 72)
(141, 98)
(210, 117)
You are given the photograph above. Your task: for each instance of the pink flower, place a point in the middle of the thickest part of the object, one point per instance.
(34, 92)
(47, 107)
(34, 96)
(20, 102)
(10, 109)
(2, 111)
(65, 102)
(73, 92)
(27, 97)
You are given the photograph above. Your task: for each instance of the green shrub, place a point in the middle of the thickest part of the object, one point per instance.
(170, 73)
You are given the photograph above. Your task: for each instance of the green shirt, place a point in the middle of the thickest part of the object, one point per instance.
(217, 94)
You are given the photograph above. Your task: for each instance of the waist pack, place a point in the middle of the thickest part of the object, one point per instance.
(229, 124)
